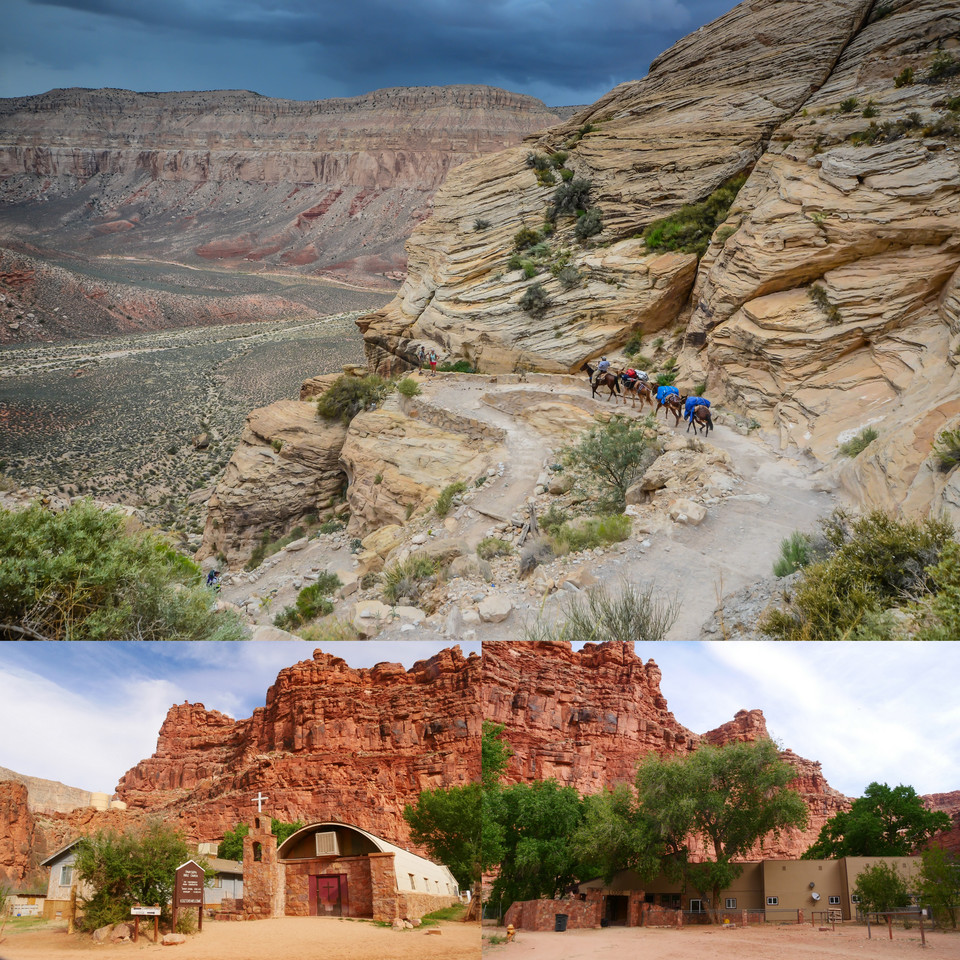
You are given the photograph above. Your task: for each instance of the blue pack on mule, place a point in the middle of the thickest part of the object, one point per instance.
(693, 402)
(665, 392)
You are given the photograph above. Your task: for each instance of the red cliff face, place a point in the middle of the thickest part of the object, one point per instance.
(17, 834)
(586, 717)
(331, 743)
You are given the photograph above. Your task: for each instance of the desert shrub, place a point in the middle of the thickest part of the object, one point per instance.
(311, 603)
(347, 396)
(571, 196)
(870, 110)
(609, 458)
(633, 613)
(859, 443)
(904, 78)
(938, 613)
(447, 494)
(329, 630)
(77, 575)
(490, 547)
(944, 66)
(875, 562)
(849, 105)
(408, 387)
(480, 224)
(580, 134)
(559, 158)
(535, 552)
(585, 533)
(794, 554)
(538, 161)
(569, 277)
(331, 526)
(566, 174)
(546, 178)
(524, 238)
(457, 366)
(946, 449)
(819, 296)
(590, 224)
(692, 226)
(634, 344)
(267, 546)
(408, 577)
(554, 518)
(535, 300)
(725, 233)
(666, 378)
(888, 131)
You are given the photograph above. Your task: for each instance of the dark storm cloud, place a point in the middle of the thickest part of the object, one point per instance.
(565, 51)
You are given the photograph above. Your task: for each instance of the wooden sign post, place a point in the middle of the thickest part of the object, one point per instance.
(188, 891)
(137, 912)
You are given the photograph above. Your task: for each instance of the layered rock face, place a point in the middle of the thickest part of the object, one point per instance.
(331, 743)
(17, 833)
(585, 718)
(865, 208)
(49, 796)
(234, 179)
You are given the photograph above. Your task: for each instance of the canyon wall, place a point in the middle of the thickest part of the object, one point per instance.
(233, 181)
(828, 299)
(585, 718)
(331, 743)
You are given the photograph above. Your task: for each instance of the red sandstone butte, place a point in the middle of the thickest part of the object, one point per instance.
(331, 743)
(586, 717)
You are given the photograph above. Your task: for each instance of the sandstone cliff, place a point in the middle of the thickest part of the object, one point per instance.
(49, 796)
(17, 834)
(237, 181)
(867, 210)
(586, 717)
(331, 743)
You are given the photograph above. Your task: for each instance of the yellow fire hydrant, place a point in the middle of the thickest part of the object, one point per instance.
(511, 932)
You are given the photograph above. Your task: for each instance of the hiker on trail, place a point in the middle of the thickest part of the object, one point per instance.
(433, 363)
(421, 356)
(213, 580)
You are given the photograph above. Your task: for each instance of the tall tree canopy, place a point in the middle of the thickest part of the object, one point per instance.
(884, 822)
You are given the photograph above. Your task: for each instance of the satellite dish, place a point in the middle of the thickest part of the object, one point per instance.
(816, 897)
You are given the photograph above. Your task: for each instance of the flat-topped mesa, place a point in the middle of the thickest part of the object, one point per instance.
(331, 742)
(703, 114)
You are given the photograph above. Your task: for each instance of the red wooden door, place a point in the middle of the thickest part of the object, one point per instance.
(328, 895)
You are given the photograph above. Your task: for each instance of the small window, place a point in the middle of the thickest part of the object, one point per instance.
(696, 906)
(773, 901)
(66, 874)
(413, 881)
(257, 852)
(854, 899)
(326, 844)
(833, 901)
(730, 903)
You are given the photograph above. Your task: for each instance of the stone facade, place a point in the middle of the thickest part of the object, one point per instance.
(359, 886)
(542, 914)
(263, 890)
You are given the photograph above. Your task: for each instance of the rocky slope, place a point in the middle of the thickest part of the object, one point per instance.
(861, 212)
(17, 834)
(331, 742)
(230, 180)
(49, 796)
(586, 717)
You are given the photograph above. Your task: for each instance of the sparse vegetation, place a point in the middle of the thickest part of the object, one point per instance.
(634, 344)
(870, 110)
(347, 396)
(794, 554)
(588, 225)
(586, 533)
(329, 630)
(571, 197)
(904, 78)
(859, 443)
(480, 224)
(848, 105)
(457, 366)
(445, 500)
(888, 131)
(691, 227)
(524, 238)
(490, 547)
(311, 602)
(535, 300)
(819, 296)
(408, 577)
(946, 449)
(408, 387)
(944, 66)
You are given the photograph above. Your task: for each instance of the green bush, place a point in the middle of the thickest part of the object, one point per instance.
(888, 131)
(538, 161)
(524, 238)
(634, 344)
(819, 296)
(569, 277)
(904, 78)
(849, 105)
(859, 443)
(535, 300)
(634, 613)
(311, 603)
(590, 224)
(946, 449)
(571, 196)
(559, 158)
(76, 575)
(407, 578)
(331, 526)
(794, 554)
(490, 547)
(408, 387)
(347, 396)
(874, 562)
(480, 224)
(445, 499)
(870, 110)
(691, 228)
(585, 533)
(329, 630)
(609, 458)
(267, 546)
(457, 366)
(944, 66)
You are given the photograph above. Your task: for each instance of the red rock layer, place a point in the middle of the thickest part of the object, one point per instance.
(17, 829)
(586, 717)
(331, 743)
(948, 803)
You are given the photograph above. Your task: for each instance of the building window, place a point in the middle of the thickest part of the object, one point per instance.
(413, 881)
(257, 852)
(66, 874)
(696, 906)
(833, 901)
(854, 899)
(773, 901)
(730, 903)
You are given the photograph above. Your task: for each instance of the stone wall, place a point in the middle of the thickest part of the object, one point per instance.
(413, 905)
(263, 892)
(383, 881)
(652, 915)
(357, 871)
(542, 914)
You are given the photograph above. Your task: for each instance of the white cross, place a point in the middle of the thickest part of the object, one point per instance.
(260, 798)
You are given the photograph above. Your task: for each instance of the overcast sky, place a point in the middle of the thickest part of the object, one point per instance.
(84, 713)
(564, 52)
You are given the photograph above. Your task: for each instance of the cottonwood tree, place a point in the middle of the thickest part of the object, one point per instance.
(885, 822)
(880, 888)
(940, 883)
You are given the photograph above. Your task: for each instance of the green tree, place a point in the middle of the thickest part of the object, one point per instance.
(137, 866)
(347, 396)
(884, 822)
(881, 887)
(609, 458)
(76, 575)
(940, 884)
(728, 797)
(538, 821)
(231, 846)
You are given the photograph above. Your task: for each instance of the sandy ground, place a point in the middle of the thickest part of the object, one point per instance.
(750, 943)
(299, 938)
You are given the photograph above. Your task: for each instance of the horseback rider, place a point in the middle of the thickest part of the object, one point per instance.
(602, 367)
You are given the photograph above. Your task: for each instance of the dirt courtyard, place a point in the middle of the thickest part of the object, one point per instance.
(305, 938)
(765, 942)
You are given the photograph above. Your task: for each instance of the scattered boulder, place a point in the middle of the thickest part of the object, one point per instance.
(470, 567)
(201, 441)
(102, 934)
(173, 939)
(122, 931)
(495, 609)
(687, 511)
(441, 551)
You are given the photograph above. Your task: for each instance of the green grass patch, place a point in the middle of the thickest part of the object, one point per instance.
(490, 547)
(407, 578)
(585, 533)
(859, 443)
(445, 500)
(689, 230)
(454, 912)
(794, 554)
